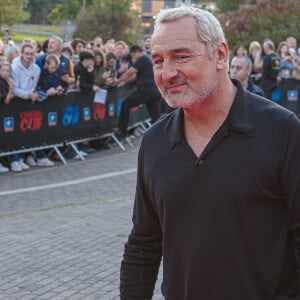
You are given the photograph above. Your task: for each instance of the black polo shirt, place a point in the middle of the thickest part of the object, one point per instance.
(224, 221)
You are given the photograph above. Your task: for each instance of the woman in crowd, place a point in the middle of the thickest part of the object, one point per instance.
(99, 67)
(255, 54)
(286, 60)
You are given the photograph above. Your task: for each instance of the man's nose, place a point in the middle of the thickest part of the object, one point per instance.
(169, 71)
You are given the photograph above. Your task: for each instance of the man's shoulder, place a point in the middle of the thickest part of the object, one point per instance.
(267, 110)
(160, 130)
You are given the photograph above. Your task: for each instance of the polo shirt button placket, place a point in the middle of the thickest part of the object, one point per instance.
(200, 162)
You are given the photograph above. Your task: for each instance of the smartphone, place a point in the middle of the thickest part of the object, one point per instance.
(7, 33)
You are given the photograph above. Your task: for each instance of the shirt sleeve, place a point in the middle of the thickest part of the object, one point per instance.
(291, 182)
(143, 251)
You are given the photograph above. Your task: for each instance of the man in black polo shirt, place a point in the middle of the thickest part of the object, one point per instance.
(146, 91)
(218, 191)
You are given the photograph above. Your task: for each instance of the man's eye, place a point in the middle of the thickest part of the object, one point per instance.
(158, 61)
(181, 57)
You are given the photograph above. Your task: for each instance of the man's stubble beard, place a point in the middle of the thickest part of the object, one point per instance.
(193, 95)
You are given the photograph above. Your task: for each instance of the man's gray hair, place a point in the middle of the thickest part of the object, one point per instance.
(246, 59)
(209, 29)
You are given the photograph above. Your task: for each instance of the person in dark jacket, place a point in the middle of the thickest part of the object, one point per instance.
(84, 72)
(240, 68)
(271, 67)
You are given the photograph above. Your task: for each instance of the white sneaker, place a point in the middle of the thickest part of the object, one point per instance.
(82, 153)
(45, 162)
(15, 166)
(23, 165)
(30, 161)
(3, 169)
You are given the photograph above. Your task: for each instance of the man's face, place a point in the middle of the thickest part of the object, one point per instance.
(239, 70)
(88, 62)
(183, 71)
(27, 55)
(147, 42)
(54, 46)
(119, 51)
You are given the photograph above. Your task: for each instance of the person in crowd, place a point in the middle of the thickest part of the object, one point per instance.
(78, 45)
(54, 47)
(147, 44)
(296, 71)
(45, 46)
(255, 54)
(122, 63)
(1, 46)
(240, 68)
(239, 50)
(6, 94)
(286, 60)
(84, 70)
(292, 43)
(68, 52)
(99, 67)
(271, 66)
(6, 83)
(45, 83)
(110, 74)
(146, 91)
(11, 53)
(210, 199)
(25, 75)
(97, 43)
(109, 45)
(3, 59)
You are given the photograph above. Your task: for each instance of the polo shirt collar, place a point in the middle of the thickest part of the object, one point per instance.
(240, 117)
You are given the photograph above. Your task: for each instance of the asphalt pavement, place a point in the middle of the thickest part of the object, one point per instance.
(63, 228)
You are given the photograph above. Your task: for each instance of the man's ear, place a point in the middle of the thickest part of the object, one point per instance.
(221, 55)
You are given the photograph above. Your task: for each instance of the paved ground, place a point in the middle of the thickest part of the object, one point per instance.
(62, 229)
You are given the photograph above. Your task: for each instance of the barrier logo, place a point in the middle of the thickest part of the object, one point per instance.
(111, 109)
(31, 120)
(9, 124)
(292, 95)
(71, 116)
(86, 114)
(99, 111)
(52, 118)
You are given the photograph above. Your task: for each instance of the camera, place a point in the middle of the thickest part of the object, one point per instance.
(7, 33)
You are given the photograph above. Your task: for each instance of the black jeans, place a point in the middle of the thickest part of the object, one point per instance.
(147, 96)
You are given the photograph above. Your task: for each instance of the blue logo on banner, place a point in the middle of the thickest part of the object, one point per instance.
(9, 124)
(52, 119)
(292, 95)
(71, 116)
(86, 113)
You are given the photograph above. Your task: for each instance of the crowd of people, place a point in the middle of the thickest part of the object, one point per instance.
(35, 72)
(264, 65)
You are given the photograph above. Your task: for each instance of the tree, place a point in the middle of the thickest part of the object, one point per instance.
(260, 19)
(67, 10)
(228, 5)
(111, 18)
(39, 10)
(12, 11)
